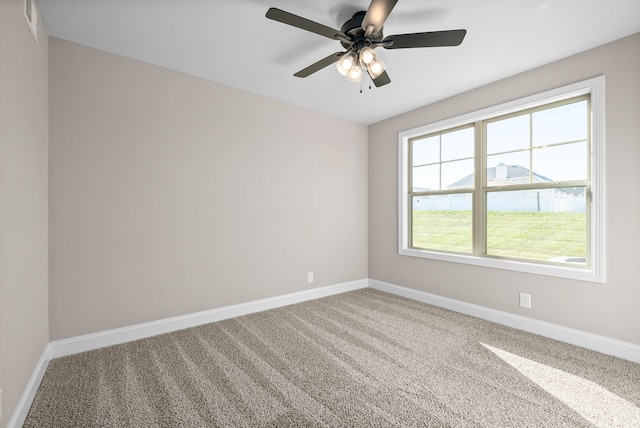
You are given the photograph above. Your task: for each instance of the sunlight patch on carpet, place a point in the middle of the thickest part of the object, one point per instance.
(593, 402)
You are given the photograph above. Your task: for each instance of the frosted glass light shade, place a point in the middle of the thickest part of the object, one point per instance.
(355, 73)
(347, 62)
(376, 68)
(367, 55)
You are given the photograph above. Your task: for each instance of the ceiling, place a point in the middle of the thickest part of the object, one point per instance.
(231, 42)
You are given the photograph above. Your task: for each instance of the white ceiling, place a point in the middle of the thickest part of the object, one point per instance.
(231, 42)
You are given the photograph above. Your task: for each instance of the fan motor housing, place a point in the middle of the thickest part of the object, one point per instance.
(353, 28)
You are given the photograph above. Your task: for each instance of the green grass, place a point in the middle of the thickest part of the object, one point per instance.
(528, 235)
(443, 230)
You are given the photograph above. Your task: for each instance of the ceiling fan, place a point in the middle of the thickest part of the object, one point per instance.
(360, 35)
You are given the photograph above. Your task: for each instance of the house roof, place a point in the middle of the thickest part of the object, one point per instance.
(502, 173)
(512, 174)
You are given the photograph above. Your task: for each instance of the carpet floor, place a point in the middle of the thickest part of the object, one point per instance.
(358, 359)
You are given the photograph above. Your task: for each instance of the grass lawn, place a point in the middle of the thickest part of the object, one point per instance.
(529, 235)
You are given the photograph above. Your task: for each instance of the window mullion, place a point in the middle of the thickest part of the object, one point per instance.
(440, 161)
(479, 196)
(589, 194)
(409, 206)
(530, 148)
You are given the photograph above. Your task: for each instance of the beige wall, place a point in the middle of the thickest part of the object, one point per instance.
(609, 309)
(24, 328)
(171, 194)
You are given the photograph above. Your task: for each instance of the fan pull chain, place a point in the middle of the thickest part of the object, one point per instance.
(369, 83)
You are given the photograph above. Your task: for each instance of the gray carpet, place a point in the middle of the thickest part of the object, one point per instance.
(359, 359)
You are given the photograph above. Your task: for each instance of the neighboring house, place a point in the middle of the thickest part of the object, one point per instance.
(503, 174)
(542, 200)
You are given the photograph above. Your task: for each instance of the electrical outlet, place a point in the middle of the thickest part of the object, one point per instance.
(309, 277)
(525, 300)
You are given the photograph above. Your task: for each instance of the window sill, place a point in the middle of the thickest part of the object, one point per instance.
(590, 274)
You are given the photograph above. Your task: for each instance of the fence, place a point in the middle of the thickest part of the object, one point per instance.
(543, 200)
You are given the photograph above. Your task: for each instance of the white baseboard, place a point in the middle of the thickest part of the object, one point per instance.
(24, 404)
(606, 345)
(88, 342)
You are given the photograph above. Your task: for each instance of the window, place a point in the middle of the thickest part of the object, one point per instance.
(516, 186)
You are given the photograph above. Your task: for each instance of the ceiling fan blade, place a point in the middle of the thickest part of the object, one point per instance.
(305, 24)
(319, 65)
(377, 14)
(424, 40)
(382, 80)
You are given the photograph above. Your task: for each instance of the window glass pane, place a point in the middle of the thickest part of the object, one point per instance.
(560, 163)
(543, 224)
(560, 124)
(508, 168)
(457, 144)
(458, 174)
(426, 178)
(426, 150)
(508, 134)
(442, 222)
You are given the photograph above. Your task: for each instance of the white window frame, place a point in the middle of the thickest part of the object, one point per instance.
(596, 271)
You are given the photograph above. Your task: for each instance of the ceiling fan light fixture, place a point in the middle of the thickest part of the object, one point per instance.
(376, 67)
(367, 55)
(347, 62)
(360, 35)
(355, 73)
